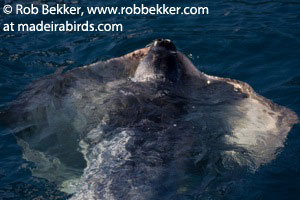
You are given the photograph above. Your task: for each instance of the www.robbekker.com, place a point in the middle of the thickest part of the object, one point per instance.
(63, 9)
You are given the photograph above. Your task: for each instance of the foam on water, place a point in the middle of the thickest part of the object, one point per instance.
(252, 41)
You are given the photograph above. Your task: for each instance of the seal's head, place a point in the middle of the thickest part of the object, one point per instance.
(160, 63)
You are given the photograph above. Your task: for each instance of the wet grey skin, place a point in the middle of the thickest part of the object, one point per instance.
(161, 61)
(146, 125)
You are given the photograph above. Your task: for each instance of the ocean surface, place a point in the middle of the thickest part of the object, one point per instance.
(255, 41)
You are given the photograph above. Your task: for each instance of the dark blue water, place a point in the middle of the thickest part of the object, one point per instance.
(254, 41)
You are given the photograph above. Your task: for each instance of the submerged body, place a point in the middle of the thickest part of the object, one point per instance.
(146, 123)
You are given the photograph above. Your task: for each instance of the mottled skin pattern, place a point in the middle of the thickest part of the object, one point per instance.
(143, 121)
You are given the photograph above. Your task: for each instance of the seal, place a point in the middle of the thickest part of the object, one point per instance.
(148, 122)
